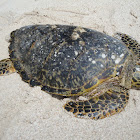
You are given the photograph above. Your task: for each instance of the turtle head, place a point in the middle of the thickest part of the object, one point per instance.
(134, 48)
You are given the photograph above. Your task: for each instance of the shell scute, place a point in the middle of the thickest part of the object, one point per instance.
(65, 60)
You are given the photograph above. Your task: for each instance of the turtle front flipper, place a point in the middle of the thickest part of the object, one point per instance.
(134, 47)
(130, 42)
(6, 67)
(99, 107)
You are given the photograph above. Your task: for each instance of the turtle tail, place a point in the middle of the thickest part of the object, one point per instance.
(110, 103)
(6, 67)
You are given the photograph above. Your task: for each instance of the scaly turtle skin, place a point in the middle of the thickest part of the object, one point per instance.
(73, 61)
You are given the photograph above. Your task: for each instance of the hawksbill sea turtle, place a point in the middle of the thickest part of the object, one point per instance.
(75, 61)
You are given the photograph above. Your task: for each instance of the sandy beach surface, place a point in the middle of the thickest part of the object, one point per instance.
(30, 114)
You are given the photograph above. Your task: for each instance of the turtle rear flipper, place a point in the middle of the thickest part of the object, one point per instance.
(6, 67)
(99, 107)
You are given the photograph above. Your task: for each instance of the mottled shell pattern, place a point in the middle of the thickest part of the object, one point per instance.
(65, 60)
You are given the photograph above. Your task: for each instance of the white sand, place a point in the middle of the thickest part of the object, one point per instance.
(29, 113)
